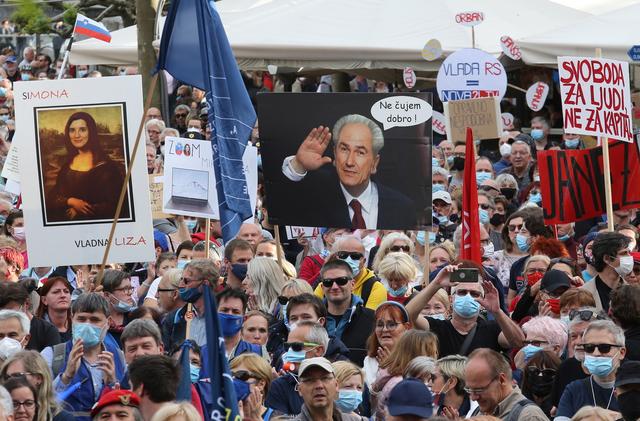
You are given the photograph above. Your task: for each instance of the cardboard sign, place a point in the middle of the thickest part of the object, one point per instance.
(507, 120)
(471, 73)
(409, 77)
(307, 232)
(482, 115)
(572, 182)
(432, 50)
(537, 95)
(155, 190)
(469, 18)
(439, 123)
(510, 48)
(595, 95)
(69, 204)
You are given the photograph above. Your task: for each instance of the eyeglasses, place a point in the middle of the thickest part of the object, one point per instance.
(299, 346)
(406, 249)
(283, 300)
(181, 115)
(324, 379)
(603, 348)
(479, 390)
(484, 206)
(15, 375)
(353, 254)
(28, 404)
(341, 281)
(243, 375)
(463, 292)
(388, 325)
(126, 290)
(166, 289)
(534, 371)
(585, 315)
(535, 343)
(514, 228)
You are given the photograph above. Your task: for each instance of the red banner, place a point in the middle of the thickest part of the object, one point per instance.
(572, 182)
(470, 249)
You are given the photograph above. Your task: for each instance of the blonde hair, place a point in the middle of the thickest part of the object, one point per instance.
(448, 247)
(442, 296)
(298, 286)
(596, 412)
(173, 277)
(257, 365)
(267, 279)
(398, 266)
(289, 270)
(412, 343)
(386, 243)
(344, 370)
(182, 411)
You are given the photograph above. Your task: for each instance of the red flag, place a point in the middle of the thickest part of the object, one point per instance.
(470, 249)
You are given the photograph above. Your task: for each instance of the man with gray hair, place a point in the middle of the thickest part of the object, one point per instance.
(540, 133)
(6, 405)
(348, 197)
(14, 332)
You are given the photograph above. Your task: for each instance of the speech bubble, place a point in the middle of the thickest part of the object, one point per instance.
(432, 50)
(439, 123)
(537, 95)
(507, 120)
(510, 48)
(409, 77)
(469, 18)
(401, 111)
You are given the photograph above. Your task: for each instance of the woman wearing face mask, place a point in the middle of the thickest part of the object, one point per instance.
(531, 194)
(119, 293)
(400, 272)
(184, 252)
(31, 366)
(14, 228)
(505, 258)
(529, 285)
(55, 305)
(447, 385)
(538, 377)
(258, 373)
(543, 333)
(195, 360)
(263, 284)
(439, 307)
(350, 379)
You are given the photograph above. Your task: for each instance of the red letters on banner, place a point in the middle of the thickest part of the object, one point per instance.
(572, 182)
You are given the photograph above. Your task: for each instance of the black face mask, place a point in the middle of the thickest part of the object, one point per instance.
(628, 403)
(458, 164)
(541, 388)
(497, 219)
(507, 192)
(453, 218)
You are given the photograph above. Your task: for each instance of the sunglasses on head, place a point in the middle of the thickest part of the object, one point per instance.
(585, 315)
(341, 281)
(353, 254)
(603, 348)
(406, 249)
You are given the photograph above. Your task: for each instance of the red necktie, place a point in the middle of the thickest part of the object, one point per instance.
(357, 222)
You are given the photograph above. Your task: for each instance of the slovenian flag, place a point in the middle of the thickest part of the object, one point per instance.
(91, 28)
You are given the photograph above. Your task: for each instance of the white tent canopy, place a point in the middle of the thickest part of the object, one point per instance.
(344, 35)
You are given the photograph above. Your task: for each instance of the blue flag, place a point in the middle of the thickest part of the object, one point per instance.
(184, 387)
(195, 50)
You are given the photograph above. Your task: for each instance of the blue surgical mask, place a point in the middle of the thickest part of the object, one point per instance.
(420, 238)
(443, 220)
(432, 237)
(25, 77)
(398, 292)
(484, 216)
(4, 117)
(537, 134)
(482, 176)
(434, 163)
(82, 73)
(124, 307)
(191, 224)
(194, 372)
(450, 160)
(535, 198)
(239, 270)
(466, 307)
(437, 187)
(353, 264)
(598, 366)
(190, 295)
(181, 263)
(572, 143)
(91, 335)
(529, 351)
(230, 324)
(565, 319)
(523, 243)
(292, 356)
(564, 238)
(348, 400)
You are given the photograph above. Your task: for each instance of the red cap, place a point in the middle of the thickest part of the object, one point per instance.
(636, 256)
(116, 397)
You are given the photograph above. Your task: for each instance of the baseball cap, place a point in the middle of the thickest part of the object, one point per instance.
(11, 59)
(555, 279)
(116, 397)
(629, 373)
(321, 362)
(442, 195)
(410, 397)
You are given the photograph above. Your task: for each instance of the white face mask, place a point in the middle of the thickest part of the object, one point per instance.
(9, 347)
(505, 149)
(488, 250)
(625, 267)
(18, 233)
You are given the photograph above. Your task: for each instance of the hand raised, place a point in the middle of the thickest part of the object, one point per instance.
(310, 153)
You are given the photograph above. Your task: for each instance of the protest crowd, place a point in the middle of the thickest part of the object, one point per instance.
(348, 324)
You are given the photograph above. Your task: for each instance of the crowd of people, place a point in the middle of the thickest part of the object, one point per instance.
(354, 324)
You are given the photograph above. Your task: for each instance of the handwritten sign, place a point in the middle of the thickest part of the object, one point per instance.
(155, 190)
(471, 73)
(469, 18)
(510, 48)
(439, 123)
(432, 50)
(595, 95)
(409, 77)
(306, 232)
(537, 95)
(507, 121)
(481, 114)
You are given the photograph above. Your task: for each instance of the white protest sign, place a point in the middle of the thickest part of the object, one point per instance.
(507, 120)
(470, 73)
(537, 95)
(306, 232)
(11, 168)
(438, 123)
(432, 50)
(13, 187)
(70, 201)
(510, 48)
(409, 77)
(469, 18)
(595, 95)
(401, 111)
(250, 167)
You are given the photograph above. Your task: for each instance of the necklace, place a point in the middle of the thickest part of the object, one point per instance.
(594, 395)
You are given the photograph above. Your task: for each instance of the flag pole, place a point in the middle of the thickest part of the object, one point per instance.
(207, 237)
(426, 270)
(65, 59)
(127, 177)
(276, 231)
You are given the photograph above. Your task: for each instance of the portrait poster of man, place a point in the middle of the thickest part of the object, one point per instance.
(74, 151)
(350, 160)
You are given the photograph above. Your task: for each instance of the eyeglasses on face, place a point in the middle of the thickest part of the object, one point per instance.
(15, 375)
(396, 249)
(391, 325)
(473, 293)
(342, 255)
(28, 404)
(126, 290)
(479, 390)
(243, 375)
(341, 281)
(484, 206)
(299, 346)
(166, 289)
(603, 348)
(187, 281)
(547, 373)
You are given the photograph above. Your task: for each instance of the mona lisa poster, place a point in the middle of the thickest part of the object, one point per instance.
(73, 168)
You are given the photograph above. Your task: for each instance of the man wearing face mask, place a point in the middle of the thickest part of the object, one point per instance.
(14, 333)
(540, 133)
(603, 344)
(466, 331)
(572, 141)
(613, 261)
(521, 161)
(366, 285)
(237, 255)
(628, 390)
(92, 358)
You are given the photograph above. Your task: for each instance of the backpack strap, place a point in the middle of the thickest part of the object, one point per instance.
(59, 351)
(366, 289)
(515, 412)
(467, 341)
(316, 279)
